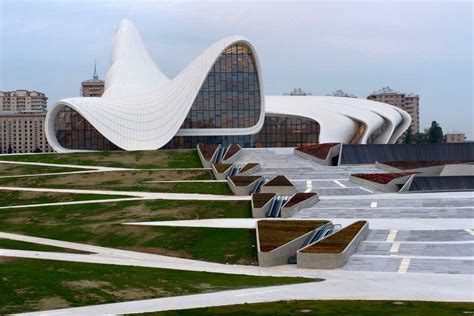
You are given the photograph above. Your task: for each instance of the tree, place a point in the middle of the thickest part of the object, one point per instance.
(435, 134)
(420, 138)
(408, 136)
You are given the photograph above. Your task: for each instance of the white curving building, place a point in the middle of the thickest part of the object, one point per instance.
(218, 98)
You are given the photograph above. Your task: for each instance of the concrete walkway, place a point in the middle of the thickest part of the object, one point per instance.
(100, 168)
(341, 286)
(148, 195)
(374, 223)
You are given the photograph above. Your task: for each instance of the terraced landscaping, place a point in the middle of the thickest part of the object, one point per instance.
(11, 198)
(320, 151)
(101, 224)
(407, 165)
(22, 245)
(275, 233)
(8, 169)
(337, 242)
(382, 178)
(33, 285)
(335, 307)
(298, 198)
(260, 199)
(130, 180)
(163, 158)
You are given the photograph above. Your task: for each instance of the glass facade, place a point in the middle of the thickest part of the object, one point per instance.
(287, 131)
(230, 95)
(277, 131)
(75, 132)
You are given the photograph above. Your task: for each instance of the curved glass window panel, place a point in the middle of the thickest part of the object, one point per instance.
(287, 131)
(277, 131)
(230, 95)
(73, 131)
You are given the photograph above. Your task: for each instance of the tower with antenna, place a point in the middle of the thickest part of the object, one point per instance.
(93, 87)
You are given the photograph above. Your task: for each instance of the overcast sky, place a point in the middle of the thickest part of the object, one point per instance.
(421, 47)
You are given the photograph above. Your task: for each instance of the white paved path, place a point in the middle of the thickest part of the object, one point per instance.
(148, 195)
(374, 223)
(99, 168)
(340, 285)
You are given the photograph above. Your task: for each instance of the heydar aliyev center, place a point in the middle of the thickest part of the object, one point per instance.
(218, 98)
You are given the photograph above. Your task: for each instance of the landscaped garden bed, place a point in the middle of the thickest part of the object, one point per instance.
(333, 251)
(101, 224)
(382, 178)
(408, 165)
(222, 167)
(337, 242)
(206, 153)
(242, 181)
(243, 185)
(279, 181)
(320, 151)
(249, 166)
(145, 159)
(207, 150)
(298, 198)
(127, 180)
(231, 152)
(280, 185)
(36, 285)
(297, 202)
(260, 199)
(275, 233)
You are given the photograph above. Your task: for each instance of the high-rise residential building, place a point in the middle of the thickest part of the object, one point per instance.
(297, 91)
(454, 137)
(23, 132)
(93, 87)
(22, 115)
(22, 100)
(340, 93)
(406, 101)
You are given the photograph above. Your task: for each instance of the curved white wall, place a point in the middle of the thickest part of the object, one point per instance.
(142, 109)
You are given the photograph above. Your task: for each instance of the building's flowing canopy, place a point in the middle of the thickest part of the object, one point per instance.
(218, 98)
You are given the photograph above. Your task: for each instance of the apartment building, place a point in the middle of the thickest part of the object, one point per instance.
(22, 115)
(406, 101)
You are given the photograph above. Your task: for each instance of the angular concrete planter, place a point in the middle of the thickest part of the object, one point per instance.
(249, 169)
(261, 203)
(290, 208)
(279, 185)
(393, 186)
(232, 153)
(221, 171)
(280, 254)
(306, 259)
(243, 185)
(333, 152)
(207, 161)
(426, 171)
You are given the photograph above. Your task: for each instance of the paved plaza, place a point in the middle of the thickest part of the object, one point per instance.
(420, 246)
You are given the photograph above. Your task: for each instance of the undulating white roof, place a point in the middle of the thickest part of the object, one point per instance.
(143, 109)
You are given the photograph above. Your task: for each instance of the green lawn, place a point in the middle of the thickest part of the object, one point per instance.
(101, 224)
(360, 308)
(32, 284)
(7, 169)
(22, 245)
(175, 158)
(11, 198)
(133, 180)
